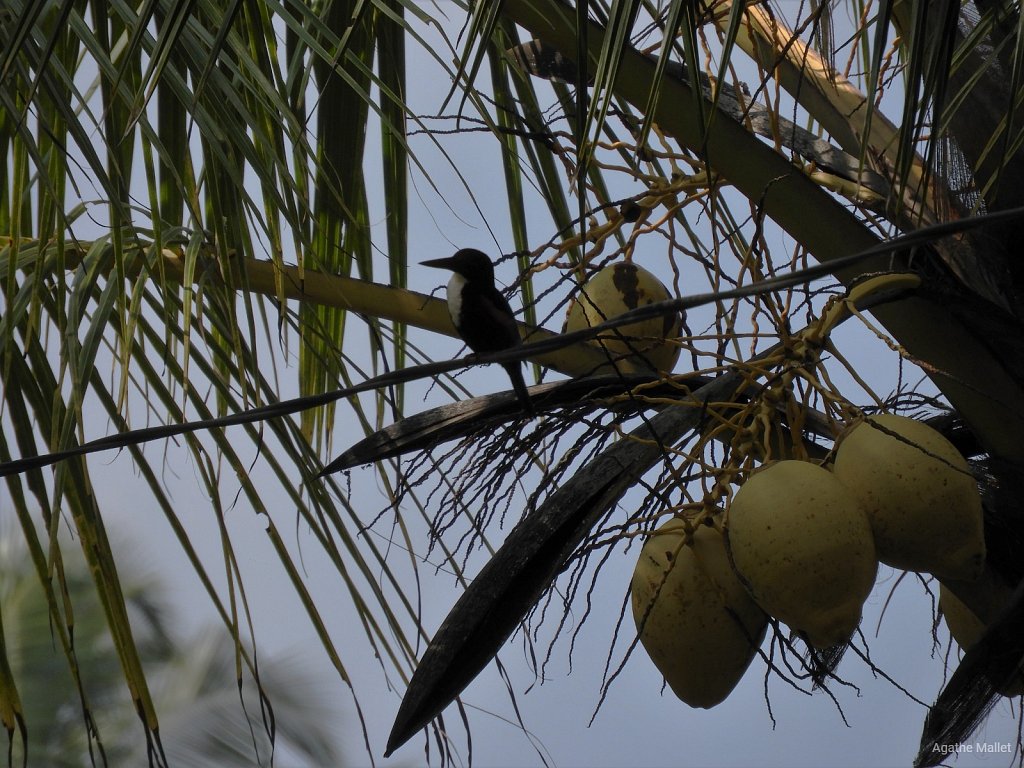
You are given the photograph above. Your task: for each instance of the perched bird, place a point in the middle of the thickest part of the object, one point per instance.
(481, 315)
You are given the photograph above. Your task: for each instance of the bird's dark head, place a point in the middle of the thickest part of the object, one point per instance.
(468, 262)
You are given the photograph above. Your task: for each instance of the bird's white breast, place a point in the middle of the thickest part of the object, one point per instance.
(455, 285)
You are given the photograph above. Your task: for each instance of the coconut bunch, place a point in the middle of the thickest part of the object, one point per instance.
(801, 542)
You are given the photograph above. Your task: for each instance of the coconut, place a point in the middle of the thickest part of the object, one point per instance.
(804, 549)
(919, 494)
(695, 619)
(641, 346)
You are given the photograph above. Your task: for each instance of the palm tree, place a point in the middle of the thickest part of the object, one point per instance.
(198, 194)
(195, 688)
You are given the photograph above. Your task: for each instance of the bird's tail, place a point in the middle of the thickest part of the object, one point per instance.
(515, 372)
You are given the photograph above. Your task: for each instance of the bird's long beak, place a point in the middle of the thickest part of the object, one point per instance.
(439, 263)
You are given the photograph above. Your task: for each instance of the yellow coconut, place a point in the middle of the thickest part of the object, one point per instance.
(804, 548)
(918, 493)
(966, 628)
(642, 346)
(695, 619)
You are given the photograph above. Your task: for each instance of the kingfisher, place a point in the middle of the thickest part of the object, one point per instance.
(481, 315)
